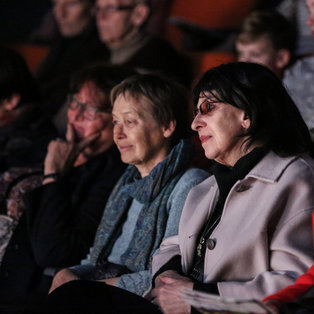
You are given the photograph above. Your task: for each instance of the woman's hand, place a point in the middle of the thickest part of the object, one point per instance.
(62, 155)
(167, 286)
(63, 276)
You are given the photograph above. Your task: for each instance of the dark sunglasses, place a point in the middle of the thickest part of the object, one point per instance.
(205, 107)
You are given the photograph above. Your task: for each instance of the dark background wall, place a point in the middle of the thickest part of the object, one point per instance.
(18, 18)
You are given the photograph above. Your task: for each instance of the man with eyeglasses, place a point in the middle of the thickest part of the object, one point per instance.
(121, 27)
(78, 45)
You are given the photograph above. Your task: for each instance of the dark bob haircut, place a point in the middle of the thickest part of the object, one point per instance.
(166, 99)
(15, 77)
(276, 122)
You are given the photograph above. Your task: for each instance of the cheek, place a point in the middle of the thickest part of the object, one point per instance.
(92, 127)
(70, 116)
(79, 16)
(224, 135)
(119, 27)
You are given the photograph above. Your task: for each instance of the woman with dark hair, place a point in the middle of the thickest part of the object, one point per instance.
(274, 119)
(246, 231)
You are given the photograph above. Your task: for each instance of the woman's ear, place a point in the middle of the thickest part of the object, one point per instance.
(11, 103)
(246, 122)
(168, 130)
(140, 14)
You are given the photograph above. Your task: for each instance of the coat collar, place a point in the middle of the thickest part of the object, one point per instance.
(271, 167)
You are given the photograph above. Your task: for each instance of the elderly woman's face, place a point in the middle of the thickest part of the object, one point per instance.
(139, 138)
(220, 128)
(83, 127)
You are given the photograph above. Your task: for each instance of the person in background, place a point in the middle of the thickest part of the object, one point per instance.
(245, 232)
(78, 45)
(268, 38)
(24, 132)
(121, 27)
(300, 76)
(151, 132)
(298, 13)
(61, 216)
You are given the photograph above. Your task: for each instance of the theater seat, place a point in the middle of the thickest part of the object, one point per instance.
(212, 14)
(32, 53)
(204, 60)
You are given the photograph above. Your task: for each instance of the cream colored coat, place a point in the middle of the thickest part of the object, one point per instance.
(263, 241)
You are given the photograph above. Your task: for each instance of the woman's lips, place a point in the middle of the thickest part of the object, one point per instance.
(124, 147)
(204, 139)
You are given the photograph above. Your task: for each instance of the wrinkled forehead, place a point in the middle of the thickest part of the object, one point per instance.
(139, 103)
(137, 100)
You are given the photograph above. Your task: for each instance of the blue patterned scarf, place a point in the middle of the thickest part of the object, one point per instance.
(153, 192)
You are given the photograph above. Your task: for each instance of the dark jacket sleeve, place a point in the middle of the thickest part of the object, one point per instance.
(63, 216)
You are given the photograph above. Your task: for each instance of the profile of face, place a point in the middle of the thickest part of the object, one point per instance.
(84, 127)
(220, 127)
(140, 139)
(72, 16)
(310, 20)
(117, 20)
(262, 51)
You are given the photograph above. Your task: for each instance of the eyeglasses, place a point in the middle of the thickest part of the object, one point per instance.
(205, 107)
(113, 8)
(88, 112)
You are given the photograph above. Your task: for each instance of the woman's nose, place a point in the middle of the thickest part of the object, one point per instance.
(77, 114)
(197, 122)
(118, 131)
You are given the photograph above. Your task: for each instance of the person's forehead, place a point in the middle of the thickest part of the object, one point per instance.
(91, 94)
(114, 2)
(69, 1)
(263, 41)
